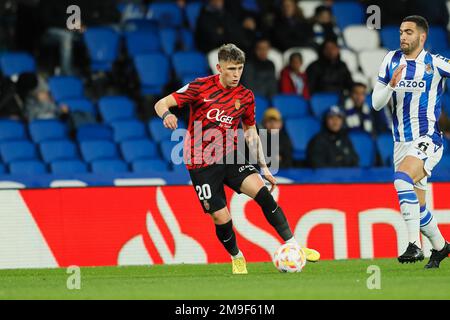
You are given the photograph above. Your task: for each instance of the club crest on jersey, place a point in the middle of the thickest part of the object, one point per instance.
(237, 104)
(428, 68)
(411, 85)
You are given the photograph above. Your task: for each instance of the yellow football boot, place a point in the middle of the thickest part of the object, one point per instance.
(311, 254)
(239, 265)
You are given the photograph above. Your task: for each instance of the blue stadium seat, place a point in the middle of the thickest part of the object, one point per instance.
(138, 24)
(445, 103)
(187, 40)
(68, 167)
(58, 150)
(390, 37)
(138, 150)
(348, 13)
(191, 64)
(44, 130)
(445, 161)
(301, 132)
(12, 130)
(385, 145)
(142, 42)
(291, 106)
(94, 132)
(18, 150)
(321, 102)
(15, 63)
(109, 166)
(446, 143)
(437, 39)
(80, 105)
(149, 166)
(98, 150)
(364, 147)
(168, 38)
(168, 146)
(159, 132)
(128, 130)
(103, 47)
(261, 105)
(65, 87)
(27, 167)
(166, 14)
(153, 71)
(2, 168)
(192, 12)
(113, 108)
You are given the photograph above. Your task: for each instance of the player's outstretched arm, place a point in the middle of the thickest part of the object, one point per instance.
(162, 110)
(382, 93)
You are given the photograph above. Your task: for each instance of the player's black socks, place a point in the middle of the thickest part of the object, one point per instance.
(226, 235)
(273, 213)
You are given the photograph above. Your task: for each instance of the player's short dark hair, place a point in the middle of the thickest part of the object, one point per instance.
(420, 21)
(230, 52)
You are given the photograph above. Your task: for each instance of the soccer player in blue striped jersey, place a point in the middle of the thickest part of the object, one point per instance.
(413, 79)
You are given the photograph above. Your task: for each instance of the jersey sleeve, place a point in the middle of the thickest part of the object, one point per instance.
(248, 117)
(384, 75)
(187, 94)
(443, 65)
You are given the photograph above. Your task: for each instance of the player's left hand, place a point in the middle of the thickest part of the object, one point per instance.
(269, 177)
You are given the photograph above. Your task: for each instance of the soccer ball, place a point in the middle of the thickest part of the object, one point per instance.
(289, 258)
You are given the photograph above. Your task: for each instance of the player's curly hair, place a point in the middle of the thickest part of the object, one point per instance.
(230, 52)
(420, 21)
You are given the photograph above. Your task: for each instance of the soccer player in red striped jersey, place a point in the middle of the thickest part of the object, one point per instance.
(217, 105)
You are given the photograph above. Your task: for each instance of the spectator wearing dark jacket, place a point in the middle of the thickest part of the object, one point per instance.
(329, 73)
(332, 148)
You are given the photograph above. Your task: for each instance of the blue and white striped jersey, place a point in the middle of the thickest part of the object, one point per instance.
(416, 99)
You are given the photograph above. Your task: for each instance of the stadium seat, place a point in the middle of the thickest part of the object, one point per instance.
(360, 38)
(291, 106)
(350, 59)
(139, 149)
(385, 146)
(187, 40)
(309, 56)
(12, 130)
(261, 104)
(94, 132)
(165, 14)
(153, 71)
(27, 167)
(277, 58)
(213, 60)
(113, 108)
(128, 130)
(190, 64)
(348, 13)
(68, 166)
(65, 87)
(18, 150)
(308, 7)
(103, 47)
(142, 42)
(192, 12)
(2, 168)
(371, 60)
(98, 150)
(364, 147)
(301, 131)
(44, 130)
(445, 162)
(80, 105)
(390, 37)
(149, 166)
(321, 102)
(58, 150)
(139, 24)
(168, 38)
(15, 63)
(109, 166)
(159, 132)
(437, 39)
(166, 150)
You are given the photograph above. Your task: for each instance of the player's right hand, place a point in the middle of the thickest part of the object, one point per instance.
(397, 75)
(171, 122)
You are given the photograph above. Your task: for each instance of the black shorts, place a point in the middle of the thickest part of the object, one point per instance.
(209, 183)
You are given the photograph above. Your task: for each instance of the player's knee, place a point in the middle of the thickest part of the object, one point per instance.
(402, 181)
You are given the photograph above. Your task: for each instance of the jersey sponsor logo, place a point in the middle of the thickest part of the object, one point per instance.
(216, 114)
(411, 86)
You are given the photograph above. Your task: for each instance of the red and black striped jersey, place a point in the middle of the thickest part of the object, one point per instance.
(215, 113)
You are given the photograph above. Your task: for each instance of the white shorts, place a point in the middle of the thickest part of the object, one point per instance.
(422, 148)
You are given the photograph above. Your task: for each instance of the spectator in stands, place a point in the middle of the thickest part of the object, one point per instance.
(324, 27)
(292, 80)
(435, 13)
(10, 102)
(332, 147)
(40, 105)
(291, 28)
(329, 73)
(358, 114)
(259, 71)
(273, 122)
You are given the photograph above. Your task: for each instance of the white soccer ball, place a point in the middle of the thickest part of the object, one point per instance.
(289, 258)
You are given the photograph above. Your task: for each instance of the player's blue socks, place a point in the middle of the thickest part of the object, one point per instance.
(227, 237)
(273, 213)
(409, 205)
(430, 229)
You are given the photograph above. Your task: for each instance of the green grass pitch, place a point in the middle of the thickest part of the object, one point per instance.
(323, 280)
